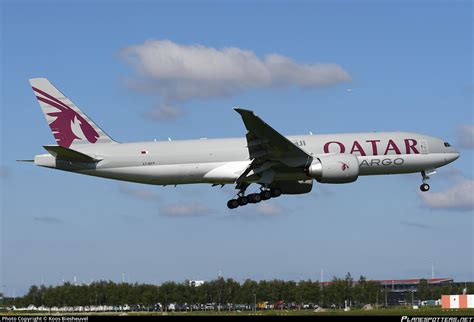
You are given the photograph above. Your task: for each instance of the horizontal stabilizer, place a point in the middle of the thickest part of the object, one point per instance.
(25, 160)
(67, 154)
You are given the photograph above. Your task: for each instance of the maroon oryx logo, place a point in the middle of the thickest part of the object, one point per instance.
(344, 166)
(66, 119)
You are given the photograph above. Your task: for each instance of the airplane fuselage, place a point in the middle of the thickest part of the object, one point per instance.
(221, 161)
(279, 164)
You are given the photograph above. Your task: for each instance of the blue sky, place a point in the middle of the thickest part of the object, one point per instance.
(410, 67)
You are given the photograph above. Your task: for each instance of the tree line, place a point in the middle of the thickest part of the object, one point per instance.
(337, 292)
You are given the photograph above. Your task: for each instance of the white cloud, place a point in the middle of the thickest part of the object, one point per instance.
(458, 197)
(466, 136)
(192, 209)
(182, 72)
(164, 112)
(270, 210)
(142, 194)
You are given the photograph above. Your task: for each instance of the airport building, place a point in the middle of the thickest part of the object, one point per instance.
(396, 290)
(411, 285)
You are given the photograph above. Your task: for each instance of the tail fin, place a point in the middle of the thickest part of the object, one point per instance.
(70, 126)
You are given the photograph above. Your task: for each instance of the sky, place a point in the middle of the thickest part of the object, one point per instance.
(146, 70)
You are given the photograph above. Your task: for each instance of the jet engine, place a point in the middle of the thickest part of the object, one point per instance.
(334, 168)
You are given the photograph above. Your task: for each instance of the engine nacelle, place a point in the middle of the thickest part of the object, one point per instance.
(334, 168)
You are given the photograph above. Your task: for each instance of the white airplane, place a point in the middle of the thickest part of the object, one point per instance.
(279, 164)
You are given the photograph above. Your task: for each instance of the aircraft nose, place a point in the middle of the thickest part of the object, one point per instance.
(453, 156)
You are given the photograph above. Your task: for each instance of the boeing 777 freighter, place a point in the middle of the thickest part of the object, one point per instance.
(278, 164)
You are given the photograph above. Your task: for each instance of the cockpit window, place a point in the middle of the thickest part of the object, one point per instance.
(446, 144)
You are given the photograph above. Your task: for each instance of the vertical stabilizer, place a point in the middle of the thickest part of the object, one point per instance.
(70, 126)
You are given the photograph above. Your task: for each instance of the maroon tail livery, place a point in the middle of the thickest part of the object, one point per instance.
(69, 125)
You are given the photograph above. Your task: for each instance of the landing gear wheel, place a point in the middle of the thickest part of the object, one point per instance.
(250, 198)
(254, 198)
(243, 201)
(276, 192)
(265, 194)
(425, 187)
(232, 204)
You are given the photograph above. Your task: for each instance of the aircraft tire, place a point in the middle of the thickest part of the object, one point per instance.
(243, 201)
(276, 192)
(425, 187)
(256, 198)
(232, 204)
(251, 198)
(265, 194)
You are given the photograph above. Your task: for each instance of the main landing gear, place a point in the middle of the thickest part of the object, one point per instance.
(424, 187)
(243, 199)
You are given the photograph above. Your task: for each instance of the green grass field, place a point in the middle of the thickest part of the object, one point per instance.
(375, 312)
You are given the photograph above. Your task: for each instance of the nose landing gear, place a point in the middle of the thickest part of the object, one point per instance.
(425, 187)
(426, 175)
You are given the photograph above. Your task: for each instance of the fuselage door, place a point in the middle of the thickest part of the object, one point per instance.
(423, 147)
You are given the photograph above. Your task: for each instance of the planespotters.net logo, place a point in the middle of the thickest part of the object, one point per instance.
(437, 319)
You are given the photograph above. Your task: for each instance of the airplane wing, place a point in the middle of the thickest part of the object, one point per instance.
(268, 148)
